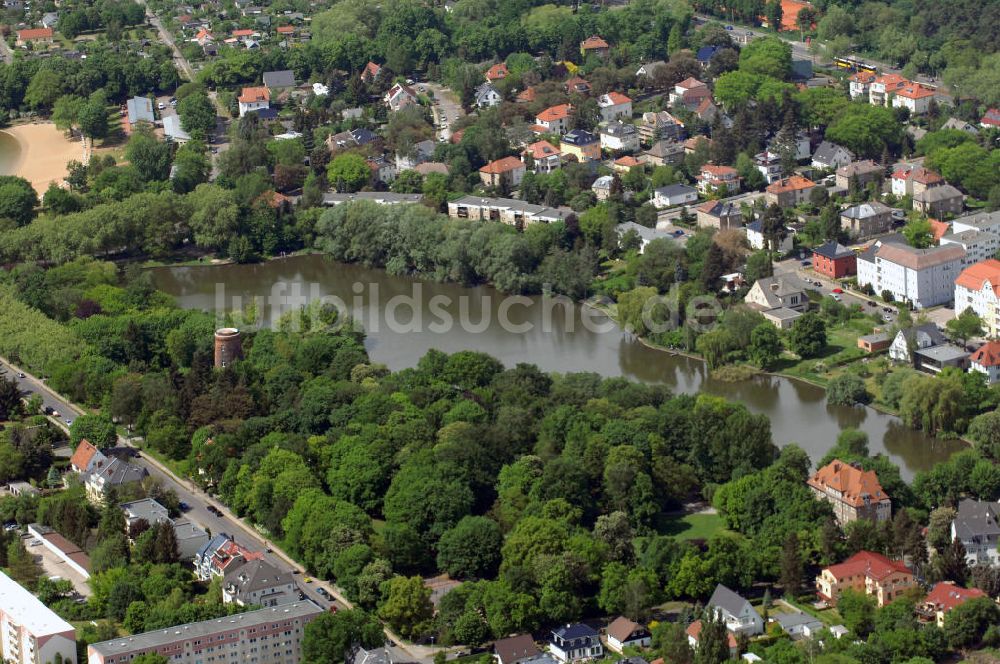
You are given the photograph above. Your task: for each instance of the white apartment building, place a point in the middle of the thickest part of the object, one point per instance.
(30, 632)
(978, 245)
(978, 288)
(923, 277)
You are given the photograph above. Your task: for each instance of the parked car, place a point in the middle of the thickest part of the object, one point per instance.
(214, 510)
(323, 593)
(806, 263)
(838, 291)
(184, 507)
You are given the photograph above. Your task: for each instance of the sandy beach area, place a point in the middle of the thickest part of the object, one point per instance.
(44, 153)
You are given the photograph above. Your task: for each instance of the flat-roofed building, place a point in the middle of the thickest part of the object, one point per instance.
(30, 632)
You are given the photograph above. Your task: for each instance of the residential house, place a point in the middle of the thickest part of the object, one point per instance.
(961, 125)
(418, 153)
(914, 338)
(515, 649)
(577, 85)
(913, 97)
(220, 554)
(769, 165)
(789, 192)
(861, 172)
(921, 277)
(618, 136)
(39, 36)
(801, 144)
(986, 360)
(780, 299)
(31, 632)
(114, 475)
(979, 245)
(866, 220)
(799, 625)
(757, 240)
(706, 111)
(138, 109)
(834, 260)
(602, 187)
(977, 526)
(625, 164)
(692, 144)
(860, 84)
(575, 642)
(944, 597)
(646, 234)
(660, 125)
(172, 130)
(721, 215)
(740, 617)
(370, 72)
(991, 119)
(279, 81)
(277, 633)
(497, 72)
(190, 538)
(884, 87)
(867, 572)
(663, 153)
(693, 632)
(830, 156)
(854, 493)
(713, 178)
(49, 20)
(910, 179)
(487, 96)
(930, 359)
(623, 633)
(504, 172)
(674, 194)
(689, 93)
(594, 45)
(254, 99)
(940, 201)
(285, 31)
(506, 210)
(555, 119)
(146, 511)
(648, 70)
(614, 106)
(260, 583)
(581, 145)
(87, 458)
(399, 97)
(875, 342)
(705, 54)
(544, 156)
(527, 95)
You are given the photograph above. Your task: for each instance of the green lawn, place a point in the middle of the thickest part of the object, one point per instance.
(692, 526)
(842, 348)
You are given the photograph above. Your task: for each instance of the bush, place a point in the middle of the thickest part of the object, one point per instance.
(847, 390)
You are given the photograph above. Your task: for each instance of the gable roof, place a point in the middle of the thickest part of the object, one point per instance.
(728, 600)
(694, 631)
(792, 183)
(976, 276)
(919, 259)
(827, 152)
(503, 165)
(628, 161)
(913, 91)
(976, 518)
(936, 194)
(621, 628)
(139, 109)
(577, 84)
(991, 118)
(279, 79)
(34, 33)
(255, 94)
(706, 53)
(945, 596)
(720, 208)
(515, 648)
(872, 565)
(119, 472)
(84, 455)
(690, 83)
(497, 71)
(865, 210)
(575, 631)
(371, 69)
(987, 355)
(541, 150)
(554, 113)
(859, 168)
(256, 575)
(832, 250)
(856, 487)
(613, 99)
(926, 335)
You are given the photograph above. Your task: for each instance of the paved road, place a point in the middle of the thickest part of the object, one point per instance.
(826, 287)
(446, 108)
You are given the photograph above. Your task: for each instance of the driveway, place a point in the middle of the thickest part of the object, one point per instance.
(445, 108)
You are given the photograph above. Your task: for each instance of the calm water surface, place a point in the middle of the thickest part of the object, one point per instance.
(798, 411)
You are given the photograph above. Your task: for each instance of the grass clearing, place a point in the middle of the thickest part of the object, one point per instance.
(692, 526)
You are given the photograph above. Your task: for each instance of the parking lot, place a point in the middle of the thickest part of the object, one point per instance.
(830, 287)
(54, 566)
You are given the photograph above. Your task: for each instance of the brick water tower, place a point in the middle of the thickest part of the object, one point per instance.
(228, 346)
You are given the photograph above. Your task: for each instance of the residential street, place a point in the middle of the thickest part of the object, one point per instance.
(199, 501)
(446, 109)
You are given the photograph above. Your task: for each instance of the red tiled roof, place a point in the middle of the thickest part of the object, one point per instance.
(976, 276)
(939, 229)
(497, 72)
(34, 33)
(694, 631)
(945, 596)
(856, 487)
(593, 43)
(527, 95)
(869, 564)
(242, 33)
(915, 92)
(628, 161)
(793, 183)
(690, 83)
(992, 117)
(577, 83)
(718, 171)
(504, 165)
(554, 113)
(987, 355)
(863, 77)
(250, 95)
(618, 98)
(456, 136)
(286, 29)
(542, 150)
(85, 451)
(371, 69)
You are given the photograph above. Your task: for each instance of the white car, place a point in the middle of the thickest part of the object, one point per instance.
(161, 105)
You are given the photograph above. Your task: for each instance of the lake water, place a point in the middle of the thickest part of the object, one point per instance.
(403, 319)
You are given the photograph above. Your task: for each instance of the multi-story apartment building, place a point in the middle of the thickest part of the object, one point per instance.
(884, 87)
(260, 583)
(30, 632)
(978, 288)
(506, 210)
(853, 493)
(789, 192)
(979, 245)
(220, 555)
(714, 178)
(268, 636)
(867, 572)
(922, 277)
(977, 526)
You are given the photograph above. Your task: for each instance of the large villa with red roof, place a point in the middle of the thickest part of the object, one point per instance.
(867, 572)
(854, 493)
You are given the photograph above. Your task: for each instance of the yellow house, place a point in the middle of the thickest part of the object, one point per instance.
(581, 144)
(867, 572)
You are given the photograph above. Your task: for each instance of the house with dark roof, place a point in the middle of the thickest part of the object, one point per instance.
(866, 220)
(939, 201)
(117, 473)
(829, 155)
(575, 642)
(942, 598)
(515, 649)
(867, 572)
(781, 299)
(834, 260)
(799, 625)
(623, 633)
(705, 54)
(258, 582)
(861, 172)
(740, 617)
(918, 336)
(276, 81)
(674, 194)
(854, 493)
(977, 526)
(721, 215)
(663, 153)
(986, 360)
(486, 96)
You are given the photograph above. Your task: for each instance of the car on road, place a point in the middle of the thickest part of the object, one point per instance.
(48, 410)
(887, 310)
(323, 593)
(806, 263)
(21, 375)
(161, 105)
(887, 318)
(69, 422)
(838, 291)
(308, 579)
(184, 507)
(214, 510)
(837, 297)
